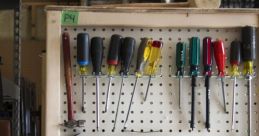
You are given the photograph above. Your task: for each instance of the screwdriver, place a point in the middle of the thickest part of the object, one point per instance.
(180, 62)
(96, 56)
(126, 55)
(220, 58)
(207, 63)
(235, 57)
(142, 56)
(83, 60)
(153, 61)
(194, 71)
(248, 55)
(112, 61)
(71, 123)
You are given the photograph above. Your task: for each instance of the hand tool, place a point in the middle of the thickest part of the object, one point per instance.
(220, 58)
(248, 55)
(126, 55)
(142, 57)
(112, 61)
(180, 63)
(207, 63)
(83, 60)
(71, 123)
(96, 56)
(194, 72)
(153, 61)
(235, 57)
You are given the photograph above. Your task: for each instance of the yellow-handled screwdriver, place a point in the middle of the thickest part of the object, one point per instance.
(153, 61)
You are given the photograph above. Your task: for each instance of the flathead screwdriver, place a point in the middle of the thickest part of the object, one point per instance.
(112, 61)
(220, 58)
(126, 55)
(194, 72)
(180, 63)
(153, 61)
(83, 60)
(142, 56)
(248, 56)
(96, 56)
(207, 63)
(235, 57)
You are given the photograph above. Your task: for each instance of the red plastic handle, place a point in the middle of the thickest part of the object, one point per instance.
(220, 56)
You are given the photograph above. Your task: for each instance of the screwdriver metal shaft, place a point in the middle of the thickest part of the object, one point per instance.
(97, 103)
(108, 93)
(118, 104)
(233, 104)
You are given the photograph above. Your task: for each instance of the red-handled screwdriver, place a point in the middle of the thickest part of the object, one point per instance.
(220, 58)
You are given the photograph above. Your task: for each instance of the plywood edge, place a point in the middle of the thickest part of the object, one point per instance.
(152, 9)
(52, 92)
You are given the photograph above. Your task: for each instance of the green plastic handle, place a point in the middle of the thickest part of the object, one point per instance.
(180, 58)
(194, 56)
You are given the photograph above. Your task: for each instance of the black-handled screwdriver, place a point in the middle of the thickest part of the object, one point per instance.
(248, 56)
(112, 61)
(97, 56)
(126, 55)
(83, 61)
(235, 58)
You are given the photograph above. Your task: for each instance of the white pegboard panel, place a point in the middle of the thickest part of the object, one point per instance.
(160, 114)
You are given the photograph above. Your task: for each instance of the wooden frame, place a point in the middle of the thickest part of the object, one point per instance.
(138, 17)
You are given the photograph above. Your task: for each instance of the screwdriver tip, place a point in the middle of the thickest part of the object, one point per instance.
(83, 109)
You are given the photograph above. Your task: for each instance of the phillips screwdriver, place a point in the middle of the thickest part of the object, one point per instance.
(248, 55)
(112, 61)
(207, 63)
(235, 57)
(142, 56)
(194, 71)
(153, 60)
(96, 56)
(180, 63)
(83, 60)
(71, 123)
(126, 55)
(220, 58)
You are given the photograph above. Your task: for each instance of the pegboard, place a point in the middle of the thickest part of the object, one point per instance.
(160, 114)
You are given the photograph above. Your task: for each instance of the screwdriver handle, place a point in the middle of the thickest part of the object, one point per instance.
(97, 54)
(194, 56)
(154, 58)
(220, 56)
(114, 50)
(143, 55)
(248, 43)
(83, 52)
(180, 58)
(235, 57)
(68, 74)
(83, 49)
(207, 56)
(127, 52)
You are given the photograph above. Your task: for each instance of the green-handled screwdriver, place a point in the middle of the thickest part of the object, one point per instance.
(194, 71)
(180, 63)
(142, 57)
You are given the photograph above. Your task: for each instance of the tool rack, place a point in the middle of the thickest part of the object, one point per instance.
(160, 114)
